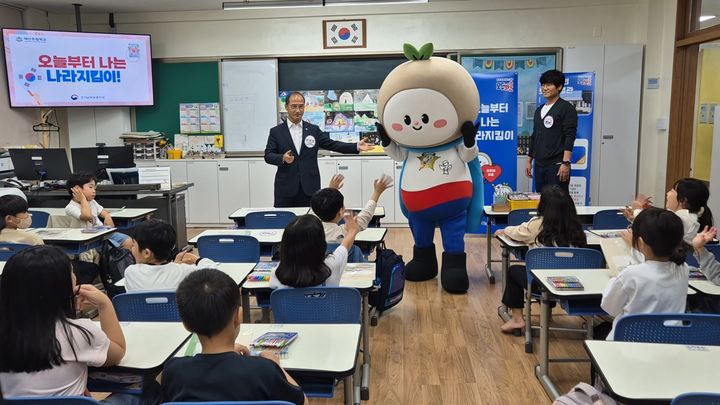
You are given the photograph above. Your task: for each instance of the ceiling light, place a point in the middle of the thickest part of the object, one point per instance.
(262, 4)
(704, 18)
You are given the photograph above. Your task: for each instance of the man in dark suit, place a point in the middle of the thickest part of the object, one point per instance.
(293, 147)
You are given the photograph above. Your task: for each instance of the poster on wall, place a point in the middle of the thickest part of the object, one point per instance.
(496, 136)
(579, 90)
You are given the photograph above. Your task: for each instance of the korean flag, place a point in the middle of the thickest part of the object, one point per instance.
(340, 34)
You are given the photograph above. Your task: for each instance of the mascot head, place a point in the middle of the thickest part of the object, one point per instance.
(424, 102)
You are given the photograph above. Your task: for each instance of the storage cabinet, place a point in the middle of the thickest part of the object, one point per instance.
(399, 217)
(233, 192)
(261, 183)
(352, 190)
(371, 170)
(204, 194)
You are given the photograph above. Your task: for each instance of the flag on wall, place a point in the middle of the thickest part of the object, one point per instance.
(344, 34)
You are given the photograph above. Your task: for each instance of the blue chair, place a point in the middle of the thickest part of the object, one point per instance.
(355, 255)
(715, 250)
(317, 305)
(9, 249)
(231, 403)
(684, 329)
(515, 218)
(268, 219)
(690, 260)
(52, 401)
(609, 219)
(561, 258)
(696, 398)
(147, 306)
(229, 248)
(39, 218)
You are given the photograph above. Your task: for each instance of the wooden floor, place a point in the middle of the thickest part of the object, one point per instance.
(438, 348)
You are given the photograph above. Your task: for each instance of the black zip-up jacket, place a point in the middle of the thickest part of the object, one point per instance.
(548, 144)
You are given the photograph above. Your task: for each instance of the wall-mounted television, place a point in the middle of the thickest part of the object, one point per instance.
(77, 69)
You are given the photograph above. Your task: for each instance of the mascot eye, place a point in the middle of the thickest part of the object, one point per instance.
(407, 120)
(425, 119)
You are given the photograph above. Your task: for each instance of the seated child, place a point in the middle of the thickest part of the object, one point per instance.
(329, 205)
(209, 305)
(708, 263)
(84, 208)
(658, 284)
(46, 350)
(153, 244)
(14, 219)
(303, 262)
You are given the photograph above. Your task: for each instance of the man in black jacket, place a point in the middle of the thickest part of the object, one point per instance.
(554, 131)
(293, 147)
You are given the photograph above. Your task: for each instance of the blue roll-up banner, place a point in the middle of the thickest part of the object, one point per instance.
(579, 90)
(496, 136)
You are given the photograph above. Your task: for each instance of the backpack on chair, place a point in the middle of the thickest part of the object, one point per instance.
(390, 276)
(113, 262)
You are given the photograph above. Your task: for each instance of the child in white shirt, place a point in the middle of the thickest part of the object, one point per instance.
(85, 209)
(659, 284)
(153, 246)
(303, 262)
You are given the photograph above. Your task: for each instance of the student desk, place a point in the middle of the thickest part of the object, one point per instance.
(2, 266)
(327, 350)
(239, 215)
(237, 271)
(148, 346)
(594, 282)
(654, 372)
(586, 214)
(72, 240)
(705, 287)
(377, 215)
(360, 276)
(124, 218)
(368, 237)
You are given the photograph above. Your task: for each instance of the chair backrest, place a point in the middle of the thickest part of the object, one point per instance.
(690, 260)
(686, 329)
(355, 254)
(229, 248)
(563, 258)
(9, 249)
(146, 306)
(610, 219)
(231, 403)
(697, 398)
(52, 400)
(268, 219)
(517, 217)
(715, 250)
(316, 305)
(39, 218)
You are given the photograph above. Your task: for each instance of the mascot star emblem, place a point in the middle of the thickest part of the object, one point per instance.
(428, 160)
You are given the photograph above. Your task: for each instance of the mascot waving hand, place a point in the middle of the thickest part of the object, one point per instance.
(427, 108)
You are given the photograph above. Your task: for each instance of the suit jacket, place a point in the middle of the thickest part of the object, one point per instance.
(303, 173)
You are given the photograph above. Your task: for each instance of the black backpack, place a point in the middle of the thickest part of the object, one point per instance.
(390, 276)
(113, 262)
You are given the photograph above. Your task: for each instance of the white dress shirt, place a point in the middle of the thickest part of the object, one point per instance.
(296, 132)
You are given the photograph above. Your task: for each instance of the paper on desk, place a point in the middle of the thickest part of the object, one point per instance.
(617, 254)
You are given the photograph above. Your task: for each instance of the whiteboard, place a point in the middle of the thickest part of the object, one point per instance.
(249, 103)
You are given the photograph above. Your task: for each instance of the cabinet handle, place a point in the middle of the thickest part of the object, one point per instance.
(224, 169)
(342, 167)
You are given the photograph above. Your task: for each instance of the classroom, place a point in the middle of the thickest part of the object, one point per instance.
(359, 201)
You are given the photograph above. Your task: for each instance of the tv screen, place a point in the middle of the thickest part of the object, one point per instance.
(77, 69)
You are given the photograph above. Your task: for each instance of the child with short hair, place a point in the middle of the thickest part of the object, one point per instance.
(209, 305)
(303, 261)
(84, 208)
(46, 350)
(329, 205)
(14, 220)
(658, 284)
(153, 245)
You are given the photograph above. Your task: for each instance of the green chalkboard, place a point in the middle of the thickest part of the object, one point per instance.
(175, 83)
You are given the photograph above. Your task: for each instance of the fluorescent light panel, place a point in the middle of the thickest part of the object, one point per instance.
(704, 18)
(258, 4)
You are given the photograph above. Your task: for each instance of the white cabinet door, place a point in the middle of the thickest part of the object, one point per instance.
(372, 169)
(352, 190)
(262, 183)
(233, 188)
(328, 168)
(178, 174)
(204, 194)
(399, 217)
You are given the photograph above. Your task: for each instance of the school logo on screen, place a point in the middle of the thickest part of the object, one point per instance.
(74, 97)
(504, 84)
(134, 51)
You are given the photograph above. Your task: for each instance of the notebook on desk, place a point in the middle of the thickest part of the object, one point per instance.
(617, 254)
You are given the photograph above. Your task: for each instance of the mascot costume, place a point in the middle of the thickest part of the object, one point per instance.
(426, 110)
